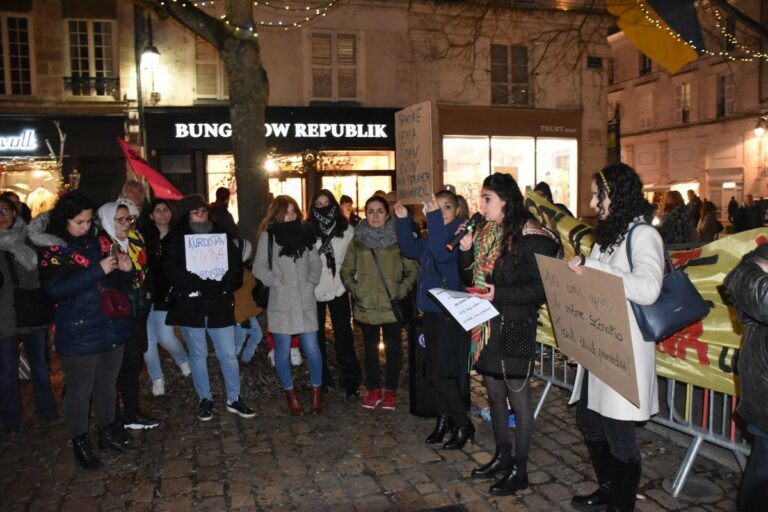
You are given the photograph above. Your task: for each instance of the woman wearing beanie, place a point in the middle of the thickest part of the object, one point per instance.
(291, 274)
(201, 306)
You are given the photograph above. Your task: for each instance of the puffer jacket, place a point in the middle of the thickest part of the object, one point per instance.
(71, 274)
(360, 276)
(748, 286)
(437, 264)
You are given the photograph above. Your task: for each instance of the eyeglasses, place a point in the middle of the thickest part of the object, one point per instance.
(5, 210)
(125, 220)
(198, 211)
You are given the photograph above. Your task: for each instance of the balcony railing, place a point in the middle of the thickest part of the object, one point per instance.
(92, 87)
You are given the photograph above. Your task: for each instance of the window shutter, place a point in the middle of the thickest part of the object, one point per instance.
(519, 91)
(207, 69)
(499, 75)
(346, 60)
(679, 103)
(322, 73)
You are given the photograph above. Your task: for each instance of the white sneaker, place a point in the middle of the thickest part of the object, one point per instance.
(271, 357)
(295, 356)
(158, 387)
(185, 369)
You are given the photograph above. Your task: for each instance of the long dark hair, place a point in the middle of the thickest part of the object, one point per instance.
(69, 206)
(341, 221)
(621, 184)
(145, 224)
(515, 214)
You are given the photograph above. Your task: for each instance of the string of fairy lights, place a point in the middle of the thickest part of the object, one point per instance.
(656, 22)
(296, 16)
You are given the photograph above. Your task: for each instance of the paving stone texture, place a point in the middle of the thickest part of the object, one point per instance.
(347, 459)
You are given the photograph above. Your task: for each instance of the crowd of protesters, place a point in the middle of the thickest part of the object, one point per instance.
(118, 283)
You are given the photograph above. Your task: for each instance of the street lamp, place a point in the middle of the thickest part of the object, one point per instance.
(150, 56)
(760, 126)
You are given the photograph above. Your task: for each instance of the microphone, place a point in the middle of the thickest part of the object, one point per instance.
(467, 229)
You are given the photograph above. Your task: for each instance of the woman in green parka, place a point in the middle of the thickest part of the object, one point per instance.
(375, 243)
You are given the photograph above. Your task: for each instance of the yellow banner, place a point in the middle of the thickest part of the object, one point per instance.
(702, 354)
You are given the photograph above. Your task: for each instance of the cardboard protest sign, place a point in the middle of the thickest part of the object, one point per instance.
(206, 255)
(591, 323)
(414, 153)
(469, 311)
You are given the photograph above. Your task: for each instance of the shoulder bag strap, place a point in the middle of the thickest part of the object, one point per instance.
(443, 280)
(12, 270)
(381, 274)
(667, 259)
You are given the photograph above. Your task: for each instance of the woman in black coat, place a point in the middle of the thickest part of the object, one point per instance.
(74, 269)
(503, 262)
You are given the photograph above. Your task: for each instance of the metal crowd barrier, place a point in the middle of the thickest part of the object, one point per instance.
(703, 414)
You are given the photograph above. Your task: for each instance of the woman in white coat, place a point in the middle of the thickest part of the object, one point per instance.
(607, 419)
(291, 277)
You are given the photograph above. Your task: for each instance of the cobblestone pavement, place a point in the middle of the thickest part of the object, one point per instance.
(346, 459)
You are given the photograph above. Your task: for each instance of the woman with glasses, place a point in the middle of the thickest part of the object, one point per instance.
(18, 268)
(154, 226)
(116, 221)
(205, 305)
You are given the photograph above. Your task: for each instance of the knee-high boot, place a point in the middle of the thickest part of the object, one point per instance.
(624, 489)
(602, 462)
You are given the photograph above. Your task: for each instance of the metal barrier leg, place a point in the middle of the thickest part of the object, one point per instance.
(543, 397)
(685, 466)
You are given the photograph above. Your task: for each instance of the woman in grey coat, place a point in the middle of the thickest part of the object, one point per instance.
(291, 275)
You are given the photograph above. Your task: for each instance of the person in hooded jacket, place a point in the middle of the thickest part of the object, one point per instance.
(199, 306)
(74, 267)
(116, 221)
(292, 276)
(371, 255)
(333, 236)
(18, 262)
(446, 342)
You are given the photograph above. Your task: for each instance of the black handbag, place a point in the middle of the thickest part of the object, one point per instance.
(518, 338)
(32, 307)
(679, 304)
(397, 309)
(260, 292)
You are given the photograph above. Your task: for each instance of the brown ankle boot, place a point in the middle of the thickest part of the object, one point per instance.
(293, 403)
(317, 396)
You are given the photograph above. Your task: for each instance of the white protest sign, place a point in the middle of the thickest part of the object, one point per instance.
(469, 311)
(591, 323)
(207, 255)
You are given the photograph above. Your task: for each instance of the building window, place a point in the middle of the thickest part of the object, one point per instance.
(645, 112)
(683, 103)
(725, 96)
(210, 74)
(645, 65)
(509, 75)
(15, 56)
(334, 66)
(90, 64)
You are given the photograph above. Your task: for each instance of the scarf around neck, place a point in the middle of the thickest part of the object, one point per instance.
(13, 240)
(293, 238)
(487, 249)
(326, 221)
(376, 238)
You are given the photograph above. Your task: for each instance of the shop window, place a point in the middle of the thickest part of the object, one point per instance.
(220, 171)
(515, 156)
(293, 187)
(683, 103)
(15, 56)
(334, 66)
(725, 96)
(90, 62)
(210, 74)
(557, 164)
(509, 75)
(359, 187)
(645, 65)
(466, 163)
(177, 169)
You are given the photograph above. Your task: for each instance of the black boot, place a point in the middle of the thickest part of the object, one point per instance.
(624, 490)
(460, 437)
(443, 425)
(501, 462)
(512, 482)
(114, 437)
(84, 453)
(602, 461)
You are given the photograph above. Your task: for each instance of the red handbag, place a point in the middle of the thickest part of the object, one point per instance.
(114, 303)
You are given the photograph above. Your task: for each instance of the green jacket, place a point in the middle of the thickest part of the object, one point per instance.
(360, 276)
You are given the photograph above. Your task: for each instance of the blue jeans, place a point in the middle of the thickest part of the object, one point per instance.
(224, 344)
(36, 350)
(255, 338)
(159, 333)
(311, 351)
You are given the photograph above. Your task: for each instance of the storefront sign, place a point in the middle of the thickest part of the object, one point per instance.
(413, 153)
(25, 141)
(298, 130)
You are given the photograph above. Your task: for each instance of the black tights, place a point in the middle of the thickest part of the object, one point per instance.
(498, 394)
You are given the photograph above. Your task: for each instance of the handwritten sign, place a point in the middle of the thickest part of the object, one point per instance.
(469, 311)
(207, 255)
(413, 153)
(591, 323)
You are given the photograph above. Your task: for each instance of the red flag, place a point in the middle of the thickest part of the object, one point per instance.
(160, 186)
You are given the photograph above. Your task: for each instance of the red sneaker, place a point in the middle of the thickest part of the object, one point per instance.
(372, 400)
(390, 399)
